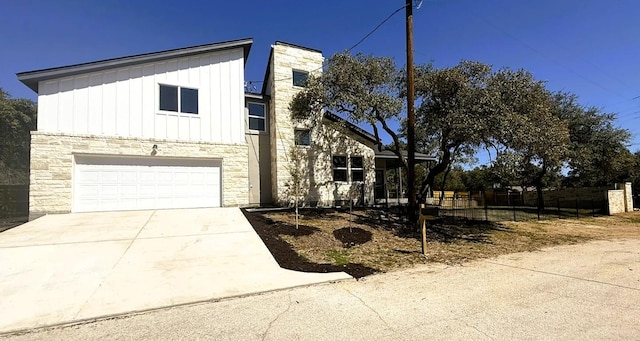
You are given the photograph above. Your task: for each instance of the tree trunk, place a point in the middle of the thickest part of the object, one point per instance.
(444, 178)
(537, 181)
(437, 169)
(540, 198)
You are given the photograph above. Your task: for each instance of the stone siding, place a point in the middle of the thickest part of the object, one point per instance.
(628, 196)
(286, 58)
(52, 165)
(330, 139)
(616, 201)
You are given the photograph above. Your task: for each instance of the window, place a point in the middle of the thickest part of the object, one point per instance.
(178, 99)
(339, 168)
(357, 170)
(256, 116)
(300, 78)
(303, 137)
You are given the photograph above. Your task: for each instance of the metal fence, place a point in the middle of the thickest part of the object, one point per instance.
(513, 206)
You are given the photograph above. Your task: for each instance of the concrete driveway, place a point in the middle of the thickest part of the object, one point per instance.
(578, 292)
(68, 267)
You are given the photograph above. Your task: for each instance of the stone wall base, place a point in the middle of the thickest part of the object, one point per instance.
(52, 157)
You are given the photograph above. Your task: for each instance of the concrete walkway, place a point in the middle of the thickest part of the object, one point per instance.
(63, 268)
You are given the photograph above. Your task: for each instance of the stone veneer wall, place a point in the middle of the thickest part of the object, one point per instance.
(52, 165)
(628, 196)
(328, 140)
(616, 201)
(286, 58)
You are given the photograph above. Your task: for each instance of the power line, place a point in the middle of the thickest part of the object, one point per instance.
(347, 50)
(376, 28)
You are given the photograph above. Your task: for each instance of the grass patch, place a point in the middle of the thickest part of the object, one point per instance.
(338, 257)
(634, 220)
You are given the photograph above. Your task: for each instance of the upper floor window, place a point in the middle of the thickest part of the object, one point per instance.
(303, 137)
(300, 78)
(178, 99)
(256, 116)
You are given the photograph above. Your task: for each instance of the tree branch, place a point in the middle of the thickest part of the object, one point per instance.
(394, 136)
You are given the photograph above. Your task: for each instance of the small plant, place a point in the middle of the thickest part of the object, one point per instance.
(338, 257)
(634, 220)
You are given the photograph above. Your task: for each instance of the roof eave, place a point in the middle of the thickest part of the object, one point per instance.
(32, 78)
(352, 127)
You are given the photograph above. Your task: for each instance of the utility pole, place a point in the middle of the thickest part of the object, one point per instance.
(411, 119)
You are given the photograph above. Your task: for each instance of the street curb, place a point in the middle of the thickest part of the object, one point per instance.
(25, 331)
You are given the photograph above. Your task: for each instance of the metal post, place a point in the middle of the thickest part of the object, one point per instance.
(399, 184)
(386, 194)
(424, 232)
(397, 172)
(486, 207)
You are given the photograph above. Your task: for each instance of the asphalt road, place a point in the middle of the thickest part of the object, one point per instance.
(586, 292)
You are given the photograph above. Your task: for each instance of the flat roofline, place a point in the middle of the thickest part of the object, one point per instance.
(278, 42)
(32, 78)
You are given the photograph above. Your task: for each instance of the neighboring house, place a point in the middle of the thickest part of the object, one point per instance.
(175, 129)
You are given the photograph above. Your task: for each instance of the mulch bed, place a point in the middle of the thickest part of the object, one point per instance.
(366, 241)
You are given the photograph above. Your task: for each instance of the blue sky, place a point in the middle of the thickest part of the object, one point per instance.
(587, 47)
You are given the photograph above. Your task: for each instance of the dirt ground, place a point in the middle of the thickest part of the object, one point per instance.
(368, 241)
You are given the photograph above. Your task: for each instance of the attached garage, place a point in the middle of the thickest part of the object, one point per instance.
(117, 183)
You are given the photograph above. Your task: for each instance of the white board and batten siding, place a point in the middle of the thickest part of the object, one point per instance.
(125, 101)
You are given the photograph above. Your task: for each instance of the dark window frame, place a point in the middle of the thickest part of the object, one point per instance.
(340, 170)
(257, 118)
(357, 173)
(300, 78)
(302, 137)
(344, 170)
(182, 100)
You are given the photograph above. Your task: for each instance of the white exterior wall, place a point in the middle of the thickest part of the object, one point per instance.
(124, 101)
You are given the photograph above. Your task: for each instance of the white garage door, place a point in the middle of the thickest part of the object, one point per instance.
(105, 183)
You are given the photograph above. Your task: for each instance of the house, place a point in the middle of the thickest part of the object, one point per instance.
(175, 129)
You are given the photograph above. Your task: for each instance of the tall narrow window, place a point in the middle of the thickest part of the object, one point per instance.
(189, 100)
(303, 137)
(339, 168)
(256, 116)
(178, 99)
(357, 169)
(300, 78)
(168, 98)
